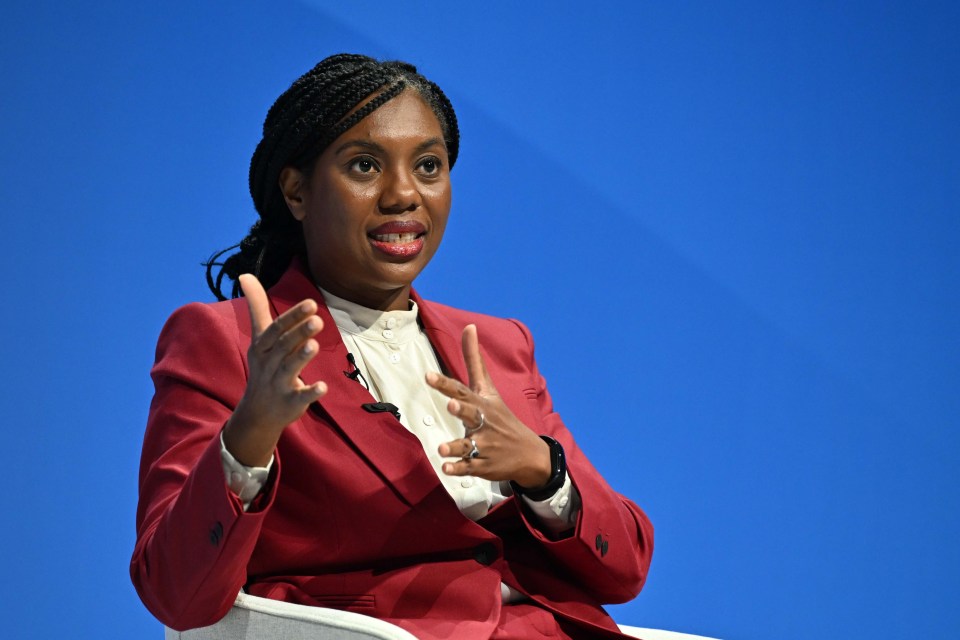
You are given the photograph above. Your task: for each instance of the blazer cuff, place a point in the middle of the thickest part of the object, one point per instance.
(245, 482)
(559, 512)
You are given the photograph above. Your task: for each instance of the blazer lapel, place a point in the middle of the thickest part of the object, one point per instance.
(395, 452)
(444, 335)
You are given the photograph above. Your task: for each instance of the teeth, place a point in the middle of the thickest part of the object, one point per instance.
(396, 237)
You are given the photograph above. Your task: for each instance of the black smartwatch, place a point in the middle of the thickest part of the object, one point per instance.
(558, 474)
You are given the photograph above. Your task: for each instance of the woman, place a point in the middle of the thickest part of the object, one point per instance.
(339, 441)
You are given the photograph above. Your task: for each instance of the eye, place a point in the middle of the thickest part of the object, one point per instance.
(363, 165)
(429, 166)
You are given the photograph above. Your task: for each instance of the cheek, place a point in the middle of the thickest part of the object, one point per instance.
(440, 201)
(339, 215)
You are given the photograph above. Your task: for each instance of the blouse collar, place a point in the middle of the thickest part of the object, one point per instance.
(374, 324)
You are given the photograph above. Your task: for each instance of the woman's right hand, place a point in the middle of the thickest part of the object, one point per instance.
(275, 395)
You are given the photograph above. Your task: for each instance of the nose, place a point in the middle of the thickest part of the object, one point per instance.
(400, 192)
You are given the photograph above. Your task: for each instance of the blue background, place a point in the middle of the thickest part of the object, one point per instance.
(731, 226)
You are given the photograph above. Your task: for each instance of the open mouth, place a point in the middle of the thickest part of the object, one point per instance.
(398, 238)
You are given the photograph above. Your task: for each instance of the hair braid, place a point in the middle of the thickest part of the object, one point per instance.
(304, 121)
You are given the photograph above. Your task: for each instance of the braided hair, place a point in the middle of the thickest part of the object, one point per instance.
(303, 122)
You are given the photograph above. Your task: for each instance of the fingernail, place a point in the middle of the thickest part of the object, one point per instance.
(432, 377)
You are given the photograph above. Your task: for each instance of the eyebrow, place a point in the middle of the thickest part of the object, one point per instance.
(373, 146)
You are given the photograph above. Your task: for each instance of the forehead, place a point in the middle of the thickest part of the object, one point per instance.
(405, 117)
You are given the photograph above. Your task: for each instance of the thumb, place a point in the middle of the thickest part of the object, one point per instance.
(257, 302)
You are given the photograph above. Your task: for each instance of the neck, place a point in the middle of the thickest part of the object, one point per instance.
(389, 300)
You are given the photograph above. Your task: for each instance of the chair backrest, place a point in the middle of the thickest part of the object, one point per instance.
(658, 634)
(254, 618)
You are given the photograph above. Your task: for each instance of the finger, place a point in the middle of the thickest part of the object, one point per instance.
(448, 386)
(293, 363)
(266, 330)
(476, 369)
(456, 448)
(455, 408)
(257, 303)
(446, 450)
(297, 335)
(466, 467)
(291, 328)
(469, 415)
(311, 393)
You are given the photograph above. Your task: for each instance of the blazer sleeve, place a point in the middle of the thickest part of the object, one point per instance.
(610, 548)
(193, 538)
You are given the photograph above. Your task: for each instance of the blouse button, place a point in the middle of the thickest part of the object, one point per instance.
(391, 323)
(388, 334)
(394, 358)
(428, 420)
(466, 483)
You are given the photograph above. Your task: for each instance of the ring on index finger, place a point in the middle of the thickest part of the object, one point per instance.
(474, 452)
(480, 421)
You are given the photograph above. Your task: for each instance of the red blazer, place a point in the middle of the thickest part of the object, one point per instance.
(354, 516)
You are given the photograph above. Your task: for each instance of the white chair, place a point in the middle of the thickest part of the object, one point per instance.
(658, 634)
(255, 618)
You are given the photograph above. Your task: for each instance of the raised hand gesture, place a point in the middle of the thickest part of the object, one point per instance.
(275, 395)
(496, 446)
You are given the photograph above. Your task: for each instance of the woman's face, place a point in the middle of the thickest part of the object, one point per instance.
(376, 203)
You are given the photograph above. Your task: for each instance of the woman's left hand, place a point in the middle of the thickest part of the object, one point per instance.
(507, 448)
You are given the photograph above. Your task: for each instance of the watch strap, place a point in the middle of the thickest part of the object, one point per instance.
(558, 474)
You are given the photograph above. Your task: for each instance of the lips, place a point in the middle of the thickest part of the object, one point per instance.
(398, 238)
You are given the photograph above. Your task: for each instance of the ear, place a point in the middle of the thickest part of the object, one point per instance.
(293, 187)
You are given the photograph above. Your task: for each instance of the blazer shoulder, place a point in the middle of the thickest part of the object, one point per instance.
(464, 317)
(497, 335)
(200, 328)
(204, 316)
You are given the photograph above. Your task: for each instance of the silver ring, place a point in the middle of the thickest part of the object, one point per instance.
(471, 430)
(474, 453)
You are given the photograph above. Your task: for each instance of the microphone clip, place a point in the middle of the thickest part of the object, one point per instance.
(356, 375)
(382, 407)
